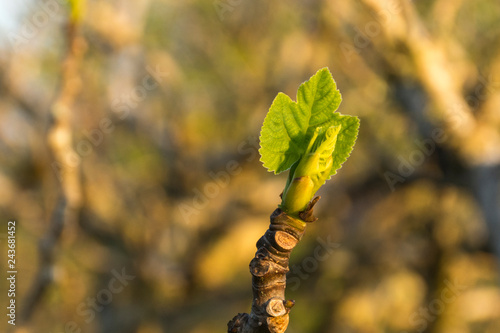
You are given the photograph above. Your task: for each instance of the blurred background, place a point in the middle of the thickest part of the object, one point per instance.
(129, 138)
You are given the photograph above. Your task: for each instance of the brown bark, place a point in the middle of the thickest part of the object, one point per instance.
(268, 268)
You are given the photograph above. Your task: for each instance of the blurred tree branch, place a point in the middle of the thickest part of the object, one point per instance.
(60, 142)
(13, 95)
(475, 139)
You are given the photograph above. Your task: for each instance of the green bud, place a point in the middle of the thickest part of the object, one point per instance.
(311, 172)
(308, 165)
(301, 188)
(298, 195)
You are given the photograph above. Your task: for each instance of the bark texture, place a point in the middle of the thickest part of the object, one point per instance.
(269, 268)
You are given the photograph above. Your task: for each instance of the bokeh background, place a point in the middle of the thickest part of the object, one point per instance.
(129, 138)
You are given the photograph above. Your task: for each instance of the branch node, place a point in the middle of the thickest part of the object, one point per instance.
(285, 241)
(275, 307)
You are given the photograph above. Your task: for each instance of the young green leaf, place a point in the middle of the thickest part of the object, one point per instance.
(289, 126)
(345, 138)
(308, 137)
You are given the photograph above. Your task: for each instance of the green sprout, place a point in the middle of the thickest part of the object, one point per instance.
(308, 137)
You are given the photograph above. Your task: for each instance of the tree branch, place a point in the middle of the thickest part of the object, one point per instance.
(60, 141)
(268, 268)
